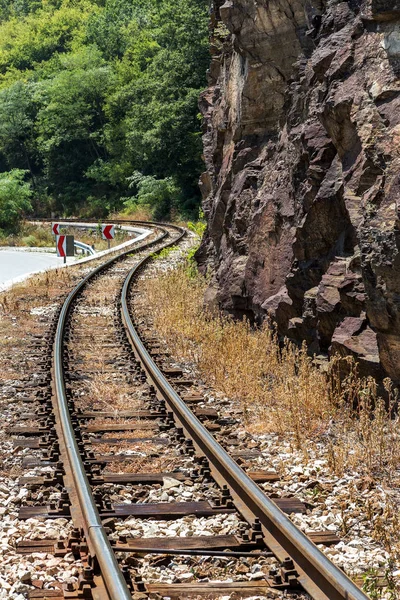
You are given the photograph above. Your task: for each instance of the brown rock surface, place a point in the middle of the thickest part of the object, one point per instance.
(302, 188)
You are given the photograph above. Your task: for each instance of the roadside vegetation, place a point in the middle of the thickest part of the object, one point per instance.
(281, 391)
(15, 199)
(98, 106)
(278, 384)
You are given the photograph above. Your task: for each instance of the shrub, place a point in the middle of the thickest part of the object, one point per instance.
(30, 241)
(15, 195)
(158, 195)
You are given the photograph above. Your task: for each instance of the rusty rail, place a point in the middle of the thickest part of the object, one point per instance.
(316, 573)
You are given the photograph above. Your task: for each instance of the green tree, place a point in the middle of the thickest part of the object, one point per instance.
(56, 27)
(160, 195)
(15, 195)
(153, 113)
(94, 90)
(17, 114)
(70, 124)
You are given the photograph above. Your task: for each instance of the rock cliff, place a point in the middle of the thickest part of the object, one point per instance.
(302, 189)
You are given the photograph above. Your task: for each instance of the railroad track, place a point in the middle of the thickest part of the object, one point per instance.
(121, 437)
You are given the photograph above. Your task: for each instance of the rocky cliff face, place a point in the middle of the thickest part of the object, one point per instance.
(302, 188)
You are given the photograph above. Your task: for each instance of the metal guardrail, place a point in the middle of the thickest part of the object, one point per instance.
(139, 231)
(88, 249)
(318, 575)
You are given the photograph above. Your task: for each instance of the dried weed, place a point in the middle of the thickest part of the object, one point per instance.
(278, 385)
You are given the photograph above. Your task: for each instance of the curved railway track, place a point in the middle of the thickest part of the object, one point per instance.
(269, 533)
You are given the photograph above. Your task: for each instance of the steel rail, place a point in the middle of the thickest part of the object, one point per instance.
(319, 576)
(96, 536)
(116, 221)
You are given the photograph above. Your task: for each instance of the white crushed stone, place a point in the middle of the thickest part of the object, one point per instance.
(184, 527)
(16, 570)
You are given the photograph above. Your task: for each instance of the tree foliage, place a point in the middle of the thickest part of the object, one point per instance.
(160, 195)
(15, 194)
(93, 92)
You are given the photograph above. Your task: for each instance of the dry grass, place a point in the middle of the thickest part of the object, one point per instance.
(144, 464)
(36, 291)
(133, 422)
(141, 213)
(11, 472)
(104, 391)
(121, 435)
(30, 235)
(145, 447)
(108, 396)
(18, 324)
(279, 388)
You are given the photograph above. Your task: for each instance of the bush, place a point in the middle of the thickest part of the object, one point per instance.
(30, 241)
(158, 195)
(15, 195)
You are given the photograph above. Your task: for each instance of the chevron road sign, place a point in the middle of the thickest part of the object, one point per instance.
(107, 232)
(65, 246)
(56, 228)
(61, 242)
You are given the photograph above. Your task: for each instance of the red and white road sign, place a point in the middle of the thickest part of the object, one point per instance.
(61, 243)
(107, 232)
(56, 228)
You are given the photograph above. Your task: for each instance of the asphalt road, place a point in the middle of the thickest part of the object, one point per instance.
(16, 264)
